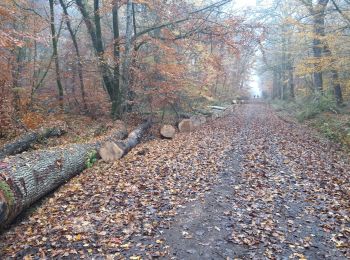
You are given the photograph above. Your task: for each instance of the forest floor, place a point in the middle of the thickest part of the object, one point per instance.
(248, 186)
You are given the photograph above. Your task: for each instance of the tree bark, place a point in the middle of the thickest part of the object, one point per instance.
(26, 178)
(54, 39)
(112, 151)
(95, 31)
(77, 52)
(24, 142)
(338, 95)
(127, 53)
(117, 96)
(336, 86)
(318, 14)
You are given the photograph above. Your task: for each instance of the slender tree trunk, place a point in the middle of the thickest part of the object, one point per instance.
(127, 54)
(336, 86)
(20, 57)
(55, 53)
(319, 32)
(95, 32)
(291, 83)
(338, 95)
(276, 90)
(77, 52)
(134, 18)
(117, 100)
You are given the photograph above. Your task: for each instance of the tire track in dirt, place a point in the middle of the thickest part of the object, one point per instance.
(266, 203)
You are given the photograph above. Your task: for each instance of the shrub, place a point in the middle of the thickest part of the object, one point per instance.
(91, 159)
(316, 104)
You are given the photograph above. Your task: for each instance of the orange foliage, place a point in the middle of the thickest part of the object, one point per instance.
(32, 120)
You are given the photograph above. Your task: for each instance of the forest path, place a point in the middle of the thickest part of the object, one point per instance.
(247, 186)
(283, 194)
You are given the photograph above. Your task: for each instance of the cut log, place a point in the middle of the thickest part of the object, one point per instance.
(109, 151)
(186, 125)
(167, 131)
(24, 142)
(217, 107)
(118, 132)
(24, 178)
(112, 151)
(198, 120)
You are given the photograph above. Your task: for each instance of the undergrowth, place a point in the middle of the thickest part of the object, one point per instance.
(91, 159)
(334, 129)
(321, 113)
(307, 107)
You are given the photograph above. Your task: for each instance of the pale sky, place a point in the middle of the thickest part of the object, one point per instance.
(254, 80)
(240, 5)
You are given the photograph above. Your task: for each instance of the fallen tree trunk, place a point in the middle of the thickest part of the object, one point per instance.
(112, 151)
(24, 142)
(25, 178)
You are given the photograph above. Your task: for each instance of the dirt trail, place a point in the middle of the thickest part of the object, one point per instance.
(248, 186)
(284, 194)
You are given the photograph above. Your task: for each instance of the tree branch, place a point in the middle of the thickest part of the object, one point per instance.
(215, 5)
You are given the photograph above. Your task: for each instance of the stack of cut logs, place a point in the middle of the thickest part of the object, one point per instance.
(26, 177)
(194, 122)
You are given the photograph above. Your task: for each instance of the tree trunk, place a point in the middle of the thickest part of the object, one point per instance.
(291, 83)
(77, 52)
(24, 142)
(275, 87)
(338, 95)
(112, 151)
(54, 39)
(95, 32)
(26, 178)
(318, 14)
(117, 96)
(336, 86)
(127, 53)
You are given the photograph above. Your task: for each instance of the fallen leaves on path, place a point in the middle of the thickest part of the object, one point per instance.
(292, 199)
(119, 209)
(286, 195)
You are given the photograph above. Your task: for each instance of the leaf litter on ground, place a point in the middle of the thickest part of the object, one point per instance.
(291, 197)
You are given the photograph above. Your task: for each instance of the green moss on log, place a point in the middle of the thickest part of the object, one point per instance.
(91, 159)
(5, 188)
